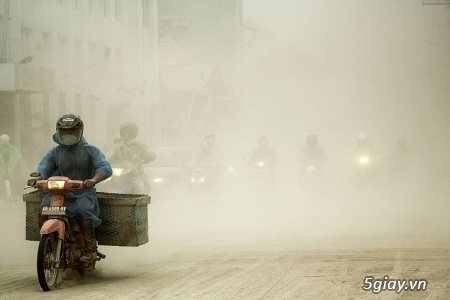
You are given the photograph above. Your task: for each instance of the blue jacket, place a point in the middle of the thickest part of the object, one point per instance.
(79, 162)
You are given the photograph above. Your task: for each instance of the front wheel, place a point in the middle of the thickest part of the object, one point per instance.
(46, 262)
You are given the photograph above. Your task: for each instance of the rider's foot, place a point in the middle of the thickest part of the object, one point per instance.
(88, 257)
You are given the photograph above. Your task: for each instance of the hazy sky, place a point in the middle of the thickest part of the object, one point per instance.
(298, 19)
(384, 61)
(350, 31)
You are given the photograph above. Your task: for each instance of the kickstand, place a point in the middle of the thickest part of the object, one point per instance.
(101, 255)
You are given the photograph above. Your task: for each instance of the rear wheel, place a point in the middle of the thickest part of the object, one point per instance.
(46, 262)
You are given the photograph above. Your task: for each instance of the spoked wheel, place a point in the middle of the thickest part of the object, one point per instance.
(46, 262)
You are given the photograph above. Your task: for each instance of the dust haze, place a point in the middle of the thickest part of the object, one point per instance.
(334, 69)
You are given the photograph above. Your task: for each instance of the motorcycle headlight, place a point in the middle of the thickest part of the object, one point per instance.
(197, 179)
(364, 160)
(55, 184)
(311, 168)
(260, 163)
(117, 171)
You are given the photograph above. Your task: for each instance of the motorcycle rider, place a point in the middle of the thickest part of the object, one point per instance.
(312, 157)
(75, 158)
(363, 146)
(264, 158)
(264, 152)
(365, 164)
(129, 151)
(212, 159)
(312, 151)
(11, 164)
(211, 154)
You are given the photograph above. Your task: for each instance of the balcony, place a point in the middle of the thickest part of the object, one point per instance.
(26, 78)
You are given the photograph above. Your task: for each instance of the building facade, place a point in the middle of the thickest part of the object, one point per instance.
(199, 56)
(95, 58)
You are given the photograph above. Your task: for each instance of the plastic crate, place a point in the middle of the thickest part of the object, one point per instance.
(124, 218)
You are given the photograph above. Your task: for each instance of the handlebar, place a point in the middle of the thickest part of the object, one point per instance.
(54, 183)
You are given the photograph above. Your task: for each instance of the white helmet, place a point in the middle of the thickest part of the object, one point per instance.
(4, 139)
(362, 136)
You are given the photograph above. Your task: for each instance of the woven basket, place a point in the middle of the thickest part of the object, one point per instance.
(124, 218)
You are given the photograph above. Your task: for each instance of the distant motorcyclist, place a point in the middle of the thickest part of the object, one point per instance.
(264, 153)
(212, 160)
(364, 147)
(312, 151)
(12, 166)
(131, 154)
(311, 161)
(209, 158)
(262, 174)
(213, 153)
(365, 163)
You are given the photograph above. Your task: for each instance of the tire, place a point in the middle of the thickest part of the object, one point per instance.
(81, 273)
(46, 265)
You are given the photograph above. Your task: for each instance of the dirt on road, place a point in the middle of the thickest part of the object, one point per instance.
(230, 251)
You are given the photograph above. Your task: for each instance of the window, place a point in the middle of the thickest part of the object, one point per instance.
(45, 48)
(62, 101)
(93, 113)
(179, 29)
(118, 10)
(62, 50)
(119, 63)
(146, 16)
(26, 42)
(106, 8)
(78, 104)
(77, 53)
(92, 53)
(91, 6)
(46, 127)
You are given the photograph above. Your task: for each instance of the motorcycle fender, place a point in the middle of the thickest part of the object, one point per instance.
(54, 225)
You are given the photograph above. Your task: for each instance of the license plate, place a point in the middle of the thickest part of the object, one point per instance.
(54, 210)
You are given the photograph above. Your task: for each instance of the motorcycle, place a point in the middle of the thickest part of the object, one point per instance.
(61, 243)
(365, 168)
(200, 182)
(206, 182)
(125, 179)
(311, 173)
(262, 177)
(199, 178)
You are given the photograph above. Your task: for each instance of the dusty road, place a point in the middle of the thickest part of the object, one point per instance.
(284, 271)
(219, 256)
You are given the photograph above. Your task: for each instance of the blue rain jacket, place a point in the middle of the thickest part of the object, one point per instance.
(78, 162)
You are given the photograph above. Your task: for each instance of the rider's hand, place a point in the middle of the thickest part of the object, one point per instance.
(32, 182)
(89, 183)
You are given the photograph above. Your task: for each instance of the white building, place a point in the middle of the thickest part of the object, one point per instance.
(95, 58)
